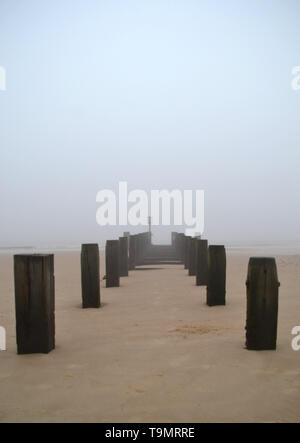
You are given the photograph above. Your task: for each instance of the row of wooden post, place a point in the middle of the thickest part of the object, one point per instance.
(35, 287)
(208, 264)
(121, 256)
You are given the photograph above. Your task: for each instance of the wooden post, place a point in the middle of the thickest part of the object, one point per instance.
(112, 253)
(187, 252)
(90, 276)
(216, 284)
(132, 252)
(262, 304)
(34, 301)
(201, 263)
(123, 256)
(139, 247)
(181, 247)
(192, 259)
(175, 241)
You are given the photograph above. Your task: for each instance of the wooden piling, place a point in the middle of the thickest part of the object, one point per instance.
(187, 252)
(132, 252)
(34, 303)
(123, 256)
(192, 259)
(112, 255)
(90, 276)
(216, 284)
(179, 245)
(137, 249)
(262, 304)
(201, 263)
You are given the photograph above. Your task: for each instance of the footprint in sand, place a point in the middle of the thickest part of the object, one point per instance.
(191, 330)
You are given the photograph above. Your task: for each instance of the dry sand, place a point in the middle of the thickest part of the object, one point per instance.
(153, 353)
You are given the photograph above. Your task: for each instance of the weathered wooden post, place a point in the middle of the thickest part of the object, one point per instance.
(123, 256)
(187, 252)
(137, 249)
(201, 263)
(90, 276)
(192, 259)
(112, 254)
(34, 302)
(262, 304)
(179, 246)
(132, 252)
(216, 284)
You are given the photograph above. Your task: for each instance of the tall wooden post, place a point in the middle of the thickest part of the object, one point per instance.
(34, 302)
(90, 276)
(123, 256)
(181, 254)
(139, 249)
(262, 304)
(112, 253)
(216, 285)
(187, 252)
(192, 259)
(201, 265)
(132, 252)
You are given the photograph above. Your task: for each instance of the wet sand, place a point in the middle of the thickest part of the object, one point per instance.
(154, 352)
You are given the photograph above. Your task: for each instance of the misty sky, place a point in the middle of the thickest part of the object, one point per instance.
(187, 94)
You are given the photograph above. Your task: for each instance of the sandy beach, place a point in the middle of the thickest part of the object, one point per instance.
(154, 352)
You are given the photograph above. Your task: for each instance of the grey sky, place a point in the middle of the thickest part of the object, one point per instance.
(184, 94)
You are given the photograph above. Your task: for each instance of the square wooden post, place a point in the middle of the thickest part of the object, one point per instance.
(34, 302)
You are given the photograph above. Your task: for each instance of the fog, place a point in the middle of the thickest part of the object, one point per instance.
(181, 94)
